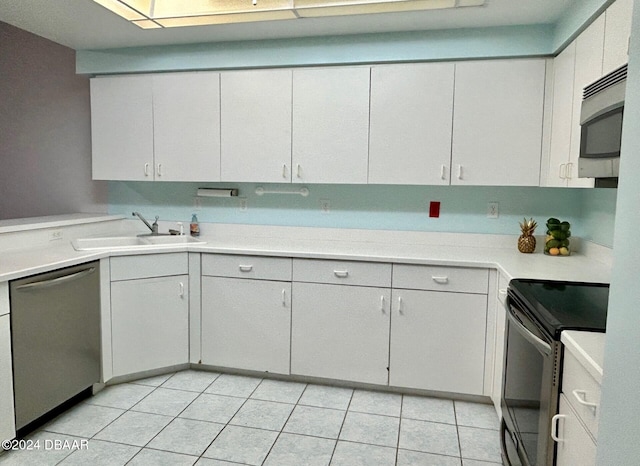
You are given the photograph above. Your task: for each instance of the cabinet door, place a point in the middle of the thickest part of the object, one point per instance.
(562, 117)
(246, 324)
(186, 118)
(256, 126)
(340, 332)
(616, 35)
(410, 128)
(330, 125)
(122, 128)
(576, 446)
(497, 122)
(149, 323)
(589, 46)
(7, 418)
(438, 341)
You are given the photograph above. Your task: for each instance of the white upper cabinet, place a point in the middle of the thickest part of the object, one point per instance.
(588, 68)
(163, 127)
(562, 118)
(330, 125)
(186, 126)
(122, 128)
(497, 122)
(616, 35)
(256, 126)
(410, 127)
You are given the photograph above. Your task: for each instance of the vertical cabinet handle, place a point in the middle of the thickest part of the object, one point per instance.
(569, 173)
(159, 169)
(146, 169)
(382, 303)
(284, 170)
(298, 171)
(554, 427)
(581, 397)
(443, 172)
(181, 290)
(400, 305)
(459, 172)
(284, 297)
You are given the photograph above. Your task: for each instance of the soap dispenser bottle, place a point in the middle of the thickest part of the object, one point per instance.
(195, 227)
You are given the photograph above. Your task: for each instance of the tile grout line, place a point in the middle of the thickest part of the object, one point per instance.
(353, 392)
(284, 425)
(174, 417)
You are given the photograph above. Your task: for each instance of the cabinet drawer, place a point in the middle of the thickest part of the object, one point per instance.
(342, 272)
(149, 265)
(256, 267)
(438, 278)
(582, 392)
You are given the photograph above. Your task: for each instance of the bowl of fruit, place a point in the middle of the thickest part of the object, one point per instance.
(557, 242)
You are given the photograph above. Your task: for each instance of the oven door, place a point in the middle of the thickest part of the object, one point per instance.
(530, 395)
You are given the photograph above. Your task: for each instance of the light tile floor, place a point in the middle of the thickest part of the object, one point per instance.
(209, 419)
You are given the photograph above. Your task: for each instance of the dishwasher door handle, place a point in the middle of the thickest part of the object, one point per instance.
(56, 281)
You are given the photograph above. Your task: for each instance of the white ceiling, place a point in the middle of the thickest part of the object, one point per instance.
(82, 24)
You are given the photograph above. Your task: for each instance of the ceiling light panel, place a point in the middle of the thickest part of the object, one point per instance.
(121, 9)
(151, 14)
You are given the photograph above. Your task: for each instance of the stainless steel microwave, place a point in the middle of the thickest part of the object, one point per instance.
(601, 128)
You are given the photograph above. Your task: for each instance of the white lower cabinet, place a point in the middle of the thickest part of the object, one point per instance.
(246, 324)
(149, 314)
(438, 341)
(340, 332)
(574, 444)
(7, 418)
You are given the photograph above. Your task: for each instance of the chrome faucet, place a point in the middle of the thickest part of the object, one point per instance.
(153, 228)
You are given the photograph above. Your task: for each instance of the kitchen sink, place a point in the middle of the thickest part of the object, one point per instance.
(132, 242)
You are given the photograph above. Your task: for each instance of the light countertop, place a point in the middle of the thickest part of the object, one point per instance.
(18, 263)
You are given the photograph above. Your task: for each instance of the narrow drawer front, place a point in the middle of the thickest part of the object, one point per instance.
(342, 272)
(582, 391)
(256, 267)
(149, 265)
(438, 278)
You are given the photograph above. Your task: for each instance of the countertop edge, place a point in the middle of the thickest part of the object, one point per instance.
(53, 221)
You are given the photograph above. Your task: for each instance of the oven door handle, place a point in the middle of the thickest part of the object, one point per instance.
(541, 345)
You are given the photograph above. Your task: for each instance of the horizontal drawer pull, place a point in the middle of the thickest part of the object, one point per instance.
(581, 397)
(245, 268)
(441, 280)
(341, 273)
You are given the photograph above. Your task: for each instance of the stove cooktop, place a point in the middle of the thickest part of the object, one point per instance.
(559, 305)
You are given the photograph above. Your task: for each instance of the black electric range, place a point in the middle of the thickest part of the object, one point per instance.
(562, 305)
(537, 313)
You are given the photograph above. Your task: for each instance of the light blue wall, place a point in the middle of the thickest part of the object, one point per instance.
(463, 209)
(349, 49)
(579, 16)
(619, 429)
(597, 215)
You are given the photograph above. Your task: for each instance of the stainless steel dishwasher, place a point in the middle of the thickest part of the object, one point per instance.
(55, 335)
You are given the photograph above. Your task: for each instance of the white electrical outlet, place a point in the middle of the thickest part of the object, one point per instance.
(56, 235)
(325, 206)
(493, 210)
(242, 203)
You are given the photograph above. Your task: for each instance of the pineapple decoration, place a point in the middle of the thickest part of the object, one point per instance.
(527, 242)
